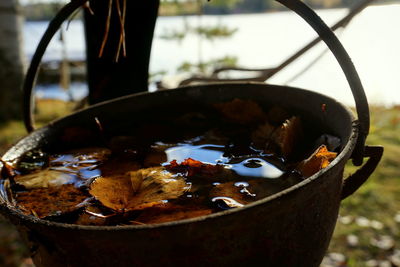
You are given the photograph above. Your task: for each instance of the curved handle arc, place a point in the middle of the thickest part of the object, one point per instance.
(31, 74)
(347, 66)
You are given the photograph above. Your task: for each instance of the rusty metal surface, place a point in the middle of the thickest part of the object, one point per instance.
(291, 228)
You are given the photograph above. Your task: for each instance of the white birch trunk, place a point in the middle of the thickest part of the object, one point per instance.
(11, 59)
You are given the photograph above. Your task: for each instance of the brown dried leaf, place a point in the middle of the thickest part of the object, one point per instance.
(43, 179)
(93, 215)
(190, 167)
(289, 135)
(113, 192)
(240, 194)
(241, 111)
(249, 191)
(44, 202)
(320, 159)
(157, 186)
(138, 189)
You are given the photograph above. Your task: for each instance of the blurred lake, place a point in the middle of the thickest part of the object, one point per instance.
(262, 41)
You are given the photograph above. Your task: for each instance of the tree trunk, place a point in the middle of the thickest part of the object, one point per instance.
(107, 77)
(11, 60)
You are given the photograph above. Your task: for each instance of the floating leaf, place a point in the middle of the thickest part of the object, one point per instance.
(93, 215)
(237, 193)
(226, 192)
(43, 179)
(288, 136)
(157, 185)
(138, 189)
(190, 167)
(52, 201)
(226, 203)
(282, 139)
(241, 111)
(113, 192)
(320, 159)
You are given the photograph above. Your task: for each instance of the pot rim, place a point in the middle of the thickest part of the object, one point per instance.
(344, 155)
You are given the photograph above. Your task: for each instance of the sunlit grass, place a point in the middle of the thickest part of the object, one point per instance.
(377, 200)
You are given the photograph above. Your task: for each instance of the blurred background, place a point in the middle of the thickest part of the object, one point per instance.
(193, 38)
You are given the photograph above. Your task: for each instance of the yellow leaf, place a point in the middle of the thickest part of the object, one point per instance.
(138, 189)
(320, 159)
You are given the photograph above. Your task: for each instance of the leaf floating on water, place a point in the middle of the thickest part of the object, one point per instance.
(138, 189)
(43, 179)
(289, 135)
(241, 111)
(113, 192)
(52, 201)
(319, 160)
(284, 138)
(235, 194)
(157, 186)
(226, 203)
(93, 215)
(190, 167)
(228, 191)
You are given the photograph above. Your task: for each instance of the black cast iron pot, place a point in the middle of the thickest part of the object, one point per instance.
(290, 228)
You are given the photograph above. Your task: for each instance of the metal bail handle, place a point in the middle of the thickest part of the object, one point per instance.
(296, 5)
(347, 66)
(30, 78)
